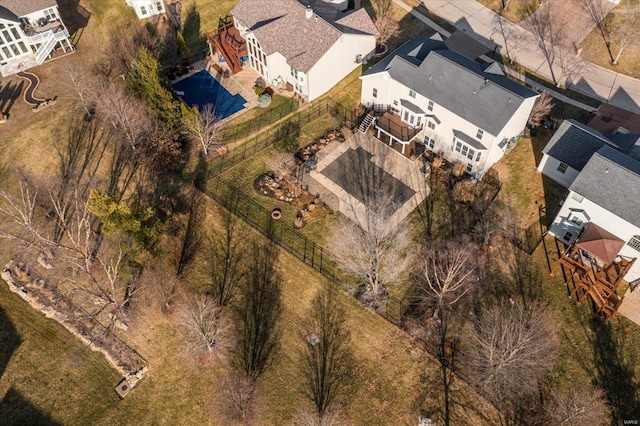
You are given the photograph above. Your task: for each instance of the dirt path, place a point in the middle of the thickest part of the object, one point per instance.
(34, 81)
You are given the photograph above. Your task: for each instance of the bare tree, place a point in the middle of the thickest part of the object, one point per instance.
(514, 346)
(236, 398)
(505, 4)
(259, 312)
(201, 126)
(570, 64)
(376, 252)
(206, 327)
(580, 405)
(128, 115)
(548, 34)
(373, 244)
(327, 360)
(384, 21)
(514, 37)
(450, 273)
(162, 277)
(309, 418)
(227, 262)
(541, 109)
(597, 10)
(84, 89)
(627, 32)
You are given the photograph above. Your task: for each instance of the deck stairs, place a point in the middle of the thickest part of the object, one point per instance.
(45, 49)
(366, 123)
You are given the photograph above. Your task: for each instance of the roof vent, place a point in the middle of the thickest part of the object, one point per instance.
(308, 13)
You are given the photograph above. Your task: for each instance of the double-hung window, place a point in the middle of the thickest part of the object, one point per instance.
(479, 134)
(143, 10)
(430, 106)
(375, 92)
(562, 168)
(412, 93)
(634, 242)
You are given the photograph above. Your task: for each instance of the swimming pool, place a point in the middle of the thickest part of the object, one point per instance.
(201, 88)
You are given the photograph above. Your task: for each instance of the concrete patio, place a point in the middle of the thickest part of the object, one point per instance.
(341, 168)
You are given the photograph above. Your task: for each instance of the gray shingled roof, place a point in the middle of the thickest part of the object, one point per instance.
(411, 106)
(25, 7)
(459, 84)
(473, 142)
(281, 26)
(574, 144)
(611, 180)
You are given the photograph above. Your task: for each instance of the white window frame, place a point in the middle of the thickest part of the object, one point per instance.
(634, 242)
(412, 93)
(562, 168)
(430, 106)
(479, 134)
(429, 142)
(374, 93)
(143, 10)
(431, 124)
(50, 14)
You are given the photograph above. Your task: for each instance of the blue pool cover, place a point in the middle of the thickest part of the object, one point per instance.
(201, 89)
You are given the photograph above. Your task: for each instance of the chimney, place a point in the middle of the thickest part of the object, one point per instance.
(308, 13)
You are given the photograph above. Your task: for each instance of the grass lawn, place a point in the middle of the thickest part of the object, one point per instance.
(595, 51)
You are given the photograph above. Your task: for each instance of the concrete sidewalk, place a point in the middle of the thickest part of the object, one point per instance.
(594, 81)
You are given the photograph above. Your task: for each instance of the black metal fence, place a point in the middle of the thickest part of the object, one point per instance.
(262, 140)
(240, 131)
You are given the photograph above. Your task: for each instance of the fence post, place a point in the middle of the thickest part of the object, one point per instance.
(321, 250)
(304, 256)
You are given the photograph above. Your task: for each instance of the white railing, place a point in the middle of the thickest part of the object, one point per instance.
(58, 34)
(45, 49)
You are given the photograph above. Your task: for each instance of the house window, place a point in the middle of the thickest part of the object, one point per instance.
(143, 10)
(294, 73)
(458, 146)
(479, 134)
(395, 103)
(50, 14)
(567, 236)
(478, 156)
(465, 150)
(576, 220)
(634, 242)
(430, 106)
(469, 168)
(562, 168)
(375, 92)
(471, 154)
(412, 93)
(159, 5)
(431, 125)
(429, 142)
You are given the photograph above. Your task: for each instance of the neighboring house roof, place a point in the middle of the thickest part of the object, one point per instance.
(611, 180)
(600, 242)
(574, 143)
(425, 64)
(25, 7)
(281, 26)
(465, 45)
(609, 118)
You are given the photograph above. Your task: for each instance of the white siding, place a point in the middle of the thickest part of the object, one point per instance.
(549, 167)
(338, 61)
(389, 90)
(601, 217)
(150, 6)
(518, 121)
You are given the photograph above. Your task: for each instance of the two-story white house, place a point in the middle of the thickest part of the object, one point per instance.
(147, 8)
(462, 109)
(311, 45)
(30, 31)
(605, 194)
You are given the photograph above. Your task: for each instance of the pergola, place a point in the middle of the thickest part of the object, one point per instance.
(596, 268)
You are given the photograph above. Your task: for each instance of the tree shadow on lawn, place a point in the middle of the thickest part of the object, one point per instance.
(191, 30)
(614, 361)
(10, 340)
(75, 17)
(9, 93)
(15, 409)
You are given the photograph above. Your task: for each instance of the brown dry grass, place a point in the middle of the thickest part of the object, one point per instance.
(595, 51)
